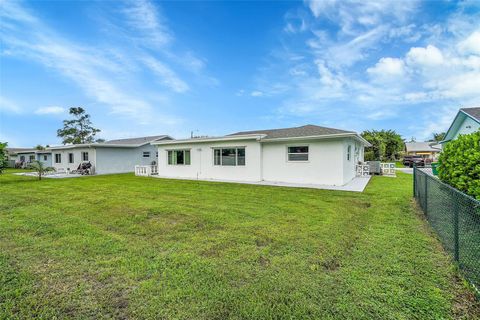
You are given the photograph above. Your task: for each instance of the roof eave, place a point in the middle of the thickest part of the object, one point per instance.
(460, 112)
(212, 139)
(321, 137)
(470, 116)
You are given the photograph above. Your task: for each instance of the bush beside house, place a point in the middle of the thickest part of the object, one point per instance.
(3, 156)
(459, 164)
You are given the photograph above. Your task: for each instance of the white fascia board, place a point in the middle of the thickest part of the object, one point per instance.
(454, 123)
(212, 139)
(470, 116)
(76, 146)
(322, 137)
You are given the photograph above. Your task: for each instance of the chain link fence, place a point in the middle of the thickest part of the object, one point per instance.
(455, 217)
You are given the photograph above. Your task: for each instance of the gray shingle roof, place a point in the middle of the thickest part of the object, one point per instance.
(134, 141)
(473, 112)
(421, 146)
(17, 150)
(303, 131)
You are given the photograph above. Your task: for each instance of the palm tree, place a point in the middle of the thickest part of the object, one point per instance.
(39, 168)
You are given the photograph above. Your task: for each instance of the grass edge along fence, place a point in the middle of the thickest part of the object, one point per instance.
(455, 217)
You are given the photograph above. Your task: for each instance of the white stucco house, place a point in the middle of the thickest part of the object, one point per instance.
(24, 156)
(113, 156)
(466, 121)
(308, 154)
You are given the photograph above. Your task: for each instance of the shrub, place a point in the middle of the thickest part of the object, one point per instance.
(3, 156)
(459, 164)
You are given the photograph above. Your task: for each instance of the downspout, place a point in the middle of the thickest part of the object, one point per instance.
(261, 158)
(94, 159)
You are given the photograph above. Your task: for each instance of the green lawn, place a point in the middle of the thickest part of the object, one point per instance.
(121, 246)
(399, 164)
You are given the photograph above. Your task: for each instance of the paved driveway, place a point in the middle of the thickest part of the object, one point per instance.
(406, 170)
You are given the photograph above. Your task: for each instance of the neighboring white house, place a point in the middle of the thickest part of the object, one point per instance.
(24, 156)
(308, 154)
(113, 156)
(466, 121)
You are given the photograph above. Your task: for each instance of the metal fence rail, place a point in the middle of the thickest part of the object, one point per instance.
(455, 217)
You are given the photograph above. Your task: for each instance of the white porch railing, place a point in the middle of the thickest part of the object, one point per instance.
(146, 170)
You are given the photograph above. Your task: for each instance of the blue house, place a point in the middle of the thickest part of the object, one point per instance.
(24, 156)
(466, 121)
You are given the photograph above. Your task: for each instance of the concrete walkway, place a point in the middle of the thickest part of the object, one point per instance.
(357, 184)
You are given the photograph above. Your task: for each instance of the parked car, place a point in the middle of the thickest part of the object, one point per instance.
(419, 161)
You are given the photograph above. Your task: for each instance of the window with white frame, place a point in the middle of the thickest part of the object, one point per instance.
(58, 158)
(297, 153)
(84, 156)
(32, 158)
(45, 158)
(349, 152)
(146, 154)
(70, 158)
(156, 154)
(178, 157)
(229, 156)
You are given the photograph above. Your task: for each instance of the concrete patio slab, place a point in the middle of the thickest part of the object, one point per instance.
(50, 176)
(357, 184)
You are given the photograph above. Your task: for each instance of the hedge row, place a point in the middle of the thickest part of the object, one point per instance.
(459, 164)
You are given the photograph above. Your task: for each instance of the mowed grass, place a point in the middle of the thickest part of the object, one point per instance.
(121, 246)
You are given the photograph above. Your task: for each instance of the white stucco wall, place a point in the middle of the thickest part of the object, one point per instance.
(327, 163)
(106, 160)
(77, 158)
(324, 165)
(349, 165)
(46, 162)
(468, 126)
(202, 167)
(121, 160)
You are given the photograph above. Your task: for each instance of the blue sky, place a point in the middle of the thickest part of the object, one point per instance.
(145, 67)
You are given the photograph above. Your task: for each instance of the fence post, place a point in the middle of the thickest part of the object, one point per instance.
(455, 232)
(414, 182)
(426, 193)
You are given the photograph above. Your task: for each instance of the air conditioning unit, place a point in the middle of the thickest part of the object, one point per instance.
(374, 167)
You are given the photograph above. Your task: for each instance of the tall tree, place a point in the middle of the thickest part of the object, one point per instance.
(386, 145)
(3, 156)
(79, 129)
(439, 136)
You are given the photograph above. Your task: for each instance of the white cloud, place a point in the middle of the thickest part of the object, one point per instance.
(110, 75)
(387, 67)
(352, 16)
(143, 15)
(346, 53)
(416, 96)
(240, 93)
(411, 66)
(7, 105)
(167, 76)
(428, 57)
(256, 93)
(471, 44)
(50, 110)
